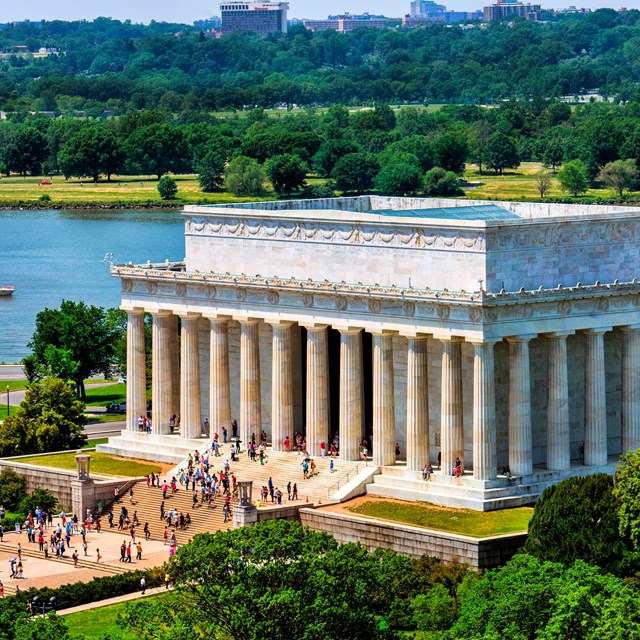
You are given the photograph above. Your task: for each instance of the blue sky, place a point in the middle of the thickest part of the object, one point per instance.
(190, 10)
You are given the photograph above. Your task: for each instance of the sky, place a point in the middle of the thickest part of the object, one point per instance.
(186, 11)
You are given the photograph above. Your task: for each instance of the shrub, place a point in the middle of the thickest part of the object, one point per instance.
(11, 489)
(39, 498)
(438, 182)
(167, 188)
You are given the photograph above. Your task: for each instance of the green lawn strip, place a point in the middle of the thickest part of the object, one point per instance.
(100, 418)
(478, 524)
(14, 385)
(100, 463)
(98, 622)
(3, 411)
(95, 442)
(102, 396)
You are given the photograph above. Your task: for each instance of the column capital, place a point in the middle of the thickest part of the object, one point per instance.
(559, 335)
(382, 332)
(246, 320)
(214, 317)
(599, 331)
(521, 339)
(629, 328)
(131, 308)
(414, 335)
(314, 326)
(162, 313)
(483, 342)
(189, 315)
(445, 337)
(350, 331)
(281, 324)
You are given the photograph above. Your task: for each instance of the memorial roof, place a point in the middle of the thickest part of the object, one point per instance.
(480, 212)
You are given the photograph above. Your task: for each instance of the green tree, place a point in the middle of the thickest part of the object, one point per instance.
(553, 152)
(288, 582)
(479, 134)
(330, 152)
(157, 149)
(211, 170)
(42, 498)
(81, 330)
(11, 488)
(90, 152)
(287, 173)
(438, 182)
(399, 179)
(627, 493)
(434, 610)
(167, 188)
(573, 177)
(620, 175)
(48, 419)
(543, 183)
(502, 153)
(355, 172)
(117, 321)
(451, 150)
(24, 150)
(244, 177)
(578, 519)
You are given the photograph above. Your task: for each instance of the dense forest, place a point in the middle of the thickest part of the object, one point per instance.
(106, 64)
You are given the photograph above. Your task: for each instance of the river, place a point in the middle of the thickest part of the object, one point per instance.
(50, 256)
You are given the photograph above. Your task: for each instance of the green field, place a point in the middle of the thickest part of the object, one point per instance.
(3, 411)
(478, 524)
(14, 385)
(93, 443)
(102, 463)
(97, 622)
(102, 396)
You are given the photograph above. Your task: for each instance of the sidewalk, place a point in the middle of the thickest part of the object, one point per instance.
(136, 595)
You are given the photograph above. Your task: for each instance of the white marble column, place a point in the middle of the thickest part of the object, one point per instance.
(250, 394)
(161, 371)
(520, 437)
(417, 403)
(351, 394)
(136, 369)
(451, 420)
(595, 414)
(282, 386)
(558, 437)
(190, 414)
(174, 363)
(317, 388)
(630, 388)
(219, 386)
(384, 422)
(484, 412)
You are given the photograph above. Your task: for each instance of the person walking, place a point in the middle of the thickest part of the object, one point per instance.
(98, 556)
(139, 551)
(74, 555)
(129, 553)
(143, 585)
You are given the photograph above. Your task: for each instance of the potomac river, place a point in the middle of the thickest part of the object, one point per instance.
(50, 256)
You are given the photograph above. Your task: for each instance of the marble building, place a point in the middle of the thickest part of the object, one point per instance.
(505, 335)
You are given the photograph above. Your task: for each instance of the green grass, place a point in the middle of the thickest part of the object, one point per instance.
(102, 396)
(14, 385)
(478, 524)
(102, 463)
(95, 442)
(97, 623)
(3, 411)
(101, 418)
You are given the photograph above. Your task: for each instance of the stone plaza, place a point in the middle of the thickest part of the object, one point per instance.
(506, 335)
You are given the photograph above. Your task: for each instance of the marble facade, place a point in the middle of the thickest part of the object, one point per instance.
(509, 340)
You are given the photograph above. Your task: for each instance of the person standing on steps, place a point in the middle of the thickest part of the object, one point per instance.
(162, 510)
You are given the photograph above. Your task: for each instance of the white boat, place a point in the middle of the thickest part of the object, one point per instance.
(6, 290)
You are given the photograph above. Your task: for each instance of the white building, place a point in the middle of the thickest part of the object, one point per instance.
(506, 335)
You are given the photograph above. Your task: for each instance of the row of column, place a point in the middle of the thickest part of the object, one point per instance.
(166, 391)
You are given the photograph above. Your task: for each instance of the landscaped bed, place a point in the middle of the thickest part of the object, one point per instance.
(478, 524)
(102, 463)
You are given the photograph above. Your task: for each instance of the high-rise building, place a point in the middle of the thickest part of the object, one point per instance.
(348, 22)
(261, 17)
(510, 8)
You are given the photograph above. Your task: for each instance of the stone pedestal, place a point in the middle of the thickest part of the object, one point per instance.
(351, 394)
(282, 386)
(83, 490)
(244, 516)
(558, 437)
(250, 397)
(451, 424)
(417, 403)
(631, 388)
(317, 388)
(384, 424)
(219, 390)
(595, 428)
(136, 369)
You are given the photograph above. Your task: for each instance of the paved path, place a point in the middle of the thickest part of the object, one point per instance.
(136, 595)
(11, 372)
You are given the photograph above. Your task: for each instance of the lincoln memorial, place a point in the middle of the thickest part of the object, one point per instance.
(503, 334)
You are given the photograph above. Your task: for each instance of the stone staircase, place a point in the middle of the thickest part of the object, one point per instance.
(281, 467)
(171, 449)
(398, 482)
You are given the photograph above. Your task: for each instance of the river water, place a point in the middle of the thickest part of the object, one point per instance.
(50, 256)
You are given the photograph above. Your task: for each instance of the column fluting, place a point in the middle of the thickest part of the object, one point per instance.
(484, 412)
(558, 438)
(250, 394)
(417, 403)
(136, 369)
(520, 436)
(317, 388)
(161, 371)
(631, 388)
(190, 410)
(384, 423)
(351, 394)
(219, 386)
(595, 428)
(174, 364)
(451, 421)
(282, 386)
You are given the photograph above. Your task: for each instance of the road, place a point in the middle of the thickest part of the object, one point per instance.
(11, 372)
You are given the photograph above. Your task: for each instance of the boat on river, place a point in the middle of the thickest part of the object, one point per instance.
(6, 290)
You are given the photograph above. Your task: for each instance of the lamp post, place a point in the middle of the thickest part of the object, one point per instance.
(7, 401)
(46, 606)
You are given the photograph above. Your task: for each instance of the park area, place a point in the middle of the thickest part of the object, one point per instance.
(101, 463)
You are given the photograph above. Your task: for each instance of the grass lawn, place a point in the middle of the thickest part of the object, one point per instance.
(13, 385)
(96, 442)
(100, 463)
(478, 524)
(97, 623)
(102, 396)
(101, 418)
(3, 411)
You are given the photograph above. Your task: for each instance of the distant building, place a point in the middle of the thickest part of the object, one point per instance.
(261, 17)
(209, 24)
(511, 9)
(426, 12)
(348, 22)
